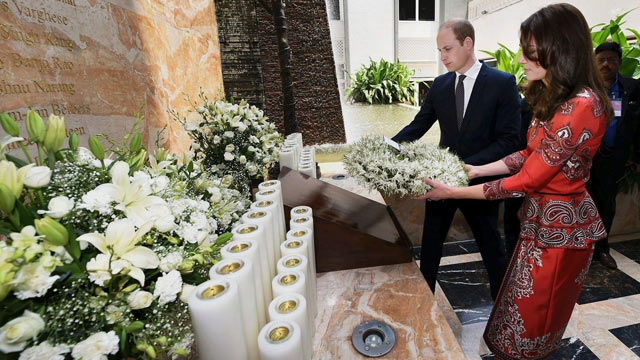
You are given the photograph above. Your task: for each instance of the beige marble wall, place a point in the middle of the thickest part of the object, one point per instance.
(99, 63)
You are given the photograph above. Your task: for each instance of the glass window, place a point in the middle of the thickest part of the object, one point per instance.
(333, 6)
(407, 9)
(426, 10)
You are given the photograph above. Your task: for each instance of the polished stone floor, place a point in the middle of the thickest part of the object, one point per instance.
(605, 324)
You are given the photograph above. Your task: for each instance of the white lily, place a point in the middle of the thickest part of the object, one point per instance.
(120, 242)
(6, 141)
(13, 177)
(132, 197)
(158, 168)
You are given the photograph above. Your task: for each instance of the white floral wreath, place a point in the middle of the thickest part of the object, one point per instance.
(377, 166)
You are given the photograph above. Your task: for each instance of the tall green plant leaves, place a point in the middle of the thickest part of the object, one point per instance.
(507, 61)
(613, 31)
(382, 82)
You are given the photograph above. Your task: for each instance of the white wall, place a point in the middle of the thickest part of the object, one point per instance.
(370, 32)
(503, 26)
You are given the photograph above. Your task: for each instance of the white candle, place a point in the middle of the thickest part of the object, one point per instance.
(309, 150)
(241, 271)
(271, 184)
(275, 195)
(301, 221)
(303, 234)
(287, 158)
(217, 299)
(295, 136)
(293, 307)
(278, 236)
(294, 246)
(307, 168)
(298, 262)
(289, 281)
(264, 218)
(256, 234)
(301, 210)
(304, 222)
(247, 250)
(306, 247)
(293, 146)
(272, 190)
(279, 340)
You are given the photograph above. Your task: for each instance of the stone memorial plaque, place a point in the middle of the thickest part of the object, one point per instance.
(101, 63)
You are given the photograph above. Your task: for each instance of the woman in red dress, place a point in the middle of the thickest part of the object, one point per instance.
(559, 220)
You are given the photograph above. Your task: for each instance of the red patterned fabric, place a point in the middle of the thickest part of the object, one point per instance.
(536, 300)
(559, 224)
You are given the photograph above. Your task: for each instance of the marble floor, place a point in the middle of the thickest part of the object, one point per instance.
(605, 323)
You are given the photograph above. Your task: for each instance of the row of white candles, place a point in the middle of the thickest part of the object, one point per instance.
(260, 302)
(296, 156)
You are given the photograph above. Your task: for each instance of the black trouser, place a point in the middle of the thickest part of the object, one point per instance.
(603, 188)
(482, 217)
(511, 224)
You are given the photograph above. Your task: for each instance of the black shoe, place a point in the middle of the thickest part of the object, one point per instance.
(607, 260)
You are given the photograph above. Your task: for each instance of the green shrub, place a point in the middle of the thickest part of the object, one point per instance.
(382, 83)
(507, 61)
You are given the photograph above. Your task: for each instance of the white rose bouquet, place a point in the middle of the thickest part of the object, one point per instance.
(232, 139)
(377, 166)
(97, 255)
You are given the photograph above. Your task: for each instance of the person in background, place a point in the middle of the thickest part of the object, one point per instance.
(609, 163)
(561, 223)
(478, 110)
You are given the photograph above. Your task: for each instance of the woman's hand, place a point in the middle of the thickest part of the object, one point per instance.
(438, 191)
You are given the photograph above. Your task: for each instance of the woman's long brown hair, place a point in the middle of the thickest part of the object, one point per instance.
(564, 48)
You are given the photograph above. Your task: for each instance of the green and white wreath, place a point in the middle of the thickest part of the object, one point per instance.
(377, 166)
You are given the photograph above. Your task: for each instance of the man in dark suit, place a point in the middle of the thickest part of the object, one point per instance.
(480, 122)
(615, 150)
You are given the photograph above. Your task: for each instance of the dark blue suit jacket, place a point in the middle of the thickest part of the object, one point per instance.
(627, 131)
(491, 125)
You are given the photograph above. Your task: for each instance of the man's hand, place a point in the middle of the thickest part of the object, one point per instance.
(472, 171)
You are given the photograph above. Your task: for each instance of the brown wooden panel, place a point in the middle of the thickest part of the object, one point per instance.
(350, 231)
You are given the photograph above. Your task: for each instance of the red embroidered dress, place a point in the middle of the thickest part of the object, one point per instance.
(559, 224)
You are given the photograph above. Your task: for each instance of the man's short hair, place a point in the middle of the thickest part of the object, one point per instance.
(461, 28)
(610, 46)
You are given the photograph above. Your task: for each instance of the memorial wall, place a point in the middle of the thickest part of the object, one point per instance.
(100, 63)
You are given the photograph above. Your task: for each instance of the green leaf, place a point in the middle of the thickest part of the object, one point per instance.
(74, 246)
(223, 238)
